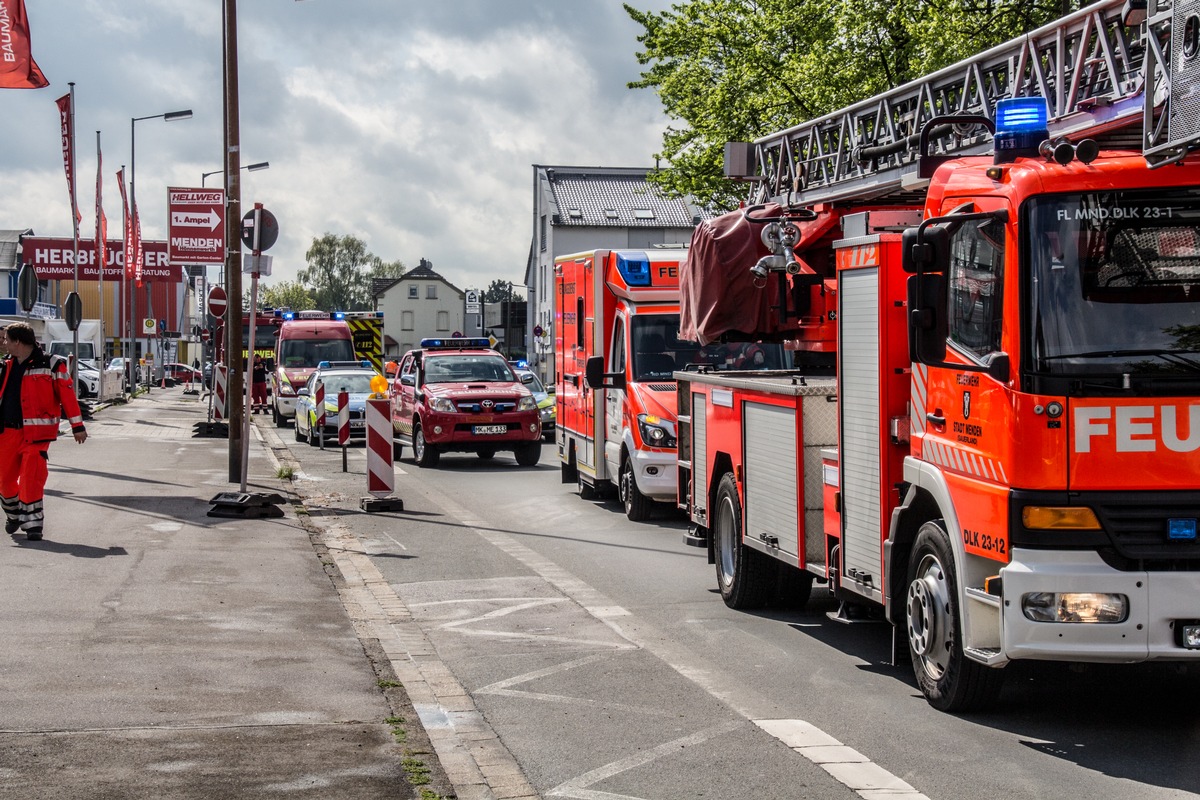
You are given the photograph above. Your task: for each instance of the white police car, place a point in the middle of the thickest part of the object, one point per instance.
(352, 377)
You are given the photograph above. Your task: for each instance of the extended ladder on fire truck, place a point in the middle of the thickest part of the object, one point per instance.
(1094, 67)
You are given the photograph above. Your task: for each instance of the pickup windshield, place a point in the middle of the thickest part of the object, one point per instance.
(467, 369)
(1114, 284)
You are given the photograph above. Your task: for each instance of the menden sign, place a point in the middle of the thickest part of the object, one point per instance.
(196, 230)
(54, 260)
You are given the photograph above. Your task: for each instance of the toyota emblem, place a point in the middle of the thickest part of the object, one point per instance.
(489, 403)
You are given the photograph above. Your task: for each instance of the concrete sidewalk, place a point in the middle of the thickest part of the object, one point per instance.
(152, 651)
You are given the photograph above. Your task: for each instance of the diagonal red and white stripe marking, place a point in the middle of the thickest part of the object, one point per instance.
(381, 476)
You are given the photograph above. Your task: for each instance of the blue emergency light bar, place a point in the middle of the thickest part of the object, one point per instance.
(634, 268)
(457, 343)
(331, 364)
(1020, 114)
(339, 315)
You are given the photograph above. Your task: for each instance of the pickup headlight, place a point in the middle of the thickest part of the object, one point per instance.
(656, 431)
(527, 403)
(442, 404)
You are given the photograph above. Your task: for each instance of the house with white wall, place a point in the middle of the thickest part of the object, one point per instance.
(420, 304)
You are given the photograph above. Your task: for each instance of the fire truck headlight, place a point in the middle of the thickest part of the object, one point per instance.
(443, 404)
(655, 431)
(1085, 607)
(527, 403)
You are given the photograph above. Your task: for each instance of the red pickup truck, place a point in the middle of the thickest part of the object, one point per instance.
(458, 395)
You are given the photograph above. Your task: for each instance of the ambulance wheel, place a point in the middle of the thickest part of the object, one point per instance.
(528, 454)
(426, 455)
(638, 507)
(744, 575)
(586, 490)
(948, 679)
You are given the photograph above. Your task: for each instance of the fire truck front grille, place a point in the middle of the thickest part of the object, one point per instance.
(1138, 524)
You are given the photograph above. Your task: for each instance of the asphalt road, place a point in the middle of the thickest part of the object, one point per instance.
(600, 653)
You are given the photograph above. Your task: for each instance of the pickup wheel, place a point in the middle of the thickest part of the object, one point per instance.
(528, 454)
(949, 680)
(425, 454)
(744, 575)
(486, 455)
(638, 507)
(277, 418)
(397, 450)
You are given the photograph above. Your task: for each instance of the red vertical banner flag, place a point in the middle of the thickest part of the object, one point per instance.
(127, 218)
(17, 67)
(67, 124)
(138, 255)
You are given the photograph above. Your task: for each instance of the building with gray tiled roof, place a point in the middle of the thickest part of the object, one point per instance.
(585, 208)
(418, 304)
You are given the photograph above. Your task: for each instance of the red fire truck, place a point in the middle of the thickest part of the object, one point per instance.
(1000, 458)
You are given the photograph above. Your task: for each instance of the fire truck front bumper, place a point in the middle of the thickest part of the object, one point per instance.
(654, 471)
(1072, 606)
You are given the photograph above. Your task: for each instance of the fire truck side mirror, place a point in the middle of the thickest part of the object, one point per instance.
(931, 254)
(597, 378)
(927, 323)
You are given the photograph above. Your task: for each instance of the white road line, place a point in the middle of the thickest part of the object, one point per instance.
(504, 688)
(577, 787)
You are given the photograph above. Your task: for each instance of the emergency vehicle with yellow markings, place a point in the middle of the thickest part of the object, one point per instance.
(994, 441)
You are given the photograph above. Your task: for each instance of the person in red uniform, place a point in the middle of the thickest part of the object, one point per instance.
(35, 393)
(258, 386)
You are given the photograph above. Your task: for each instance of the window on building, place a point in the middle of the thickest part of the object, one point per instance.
(406, 321)
(431, 292)
(543, 234)
(443, 320)
(412, 292)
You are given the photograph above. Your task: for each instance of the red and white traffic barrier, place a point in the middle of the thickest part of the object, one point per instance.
(381, 473)
(343, 406)
(319, 401)
(219, 396)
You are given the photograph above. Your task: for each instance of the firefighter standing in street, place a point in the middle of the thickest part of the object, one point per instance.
(34, 395)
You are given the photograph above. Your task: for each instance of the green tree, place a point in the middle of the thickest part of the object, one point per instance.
(286, 294)
(499, 291)
(386, 269)
(736, 70)
(338, 273)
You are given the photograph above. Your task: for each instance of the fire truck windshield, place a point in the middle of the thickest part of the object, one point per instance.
(658, 351)
(1114, 286)
(302, 353)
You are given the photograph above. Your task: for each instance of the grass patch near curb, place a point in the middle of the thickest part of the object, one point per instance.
(285, 472)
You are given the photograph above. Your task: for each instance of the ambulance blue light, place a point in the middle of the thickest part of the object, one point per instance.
(323, 365)
(339, 315)
(1021, 114)
(289, 315)
(634, 268)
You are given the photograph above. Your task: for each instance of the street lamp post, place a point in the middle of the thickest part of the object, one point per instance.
(170, 116)
(248, 168)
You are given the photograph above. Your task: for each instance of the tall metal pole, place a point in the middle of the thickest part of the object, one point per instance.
(233, 249)
(101, 261)
(75, 228)
(133, 223)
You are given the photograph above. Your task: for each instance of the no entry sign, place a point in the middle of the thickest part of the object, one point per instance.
(216, 302)
(197, 226)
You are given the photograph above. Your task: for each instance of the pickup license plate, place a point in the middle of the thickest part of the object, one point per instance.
(486, 430)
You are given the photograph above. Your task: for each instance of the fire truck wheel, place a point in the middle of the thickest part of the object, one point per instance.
(638, 507)
(279, 420)
(528, 454)
(949, 680)
(744, 575)
(426, 455)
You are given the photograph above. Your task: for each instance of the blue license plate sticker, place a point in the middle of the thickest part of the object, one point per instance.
(1181, 530)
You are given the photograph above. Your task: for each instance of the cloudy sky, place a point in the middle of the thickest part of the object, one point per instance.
(411, 124)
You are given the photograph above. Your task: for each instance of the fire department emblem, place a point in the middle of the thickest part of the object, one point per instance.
(489, 404)
(966, 405)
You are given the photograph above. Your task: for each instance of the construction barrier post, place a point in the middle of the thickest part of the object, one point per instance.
(381, 473)
(219, 396)
(320, 403)
(344, 425)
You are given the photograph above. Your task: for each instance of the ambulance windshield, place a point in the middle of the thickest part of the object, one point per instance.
(658, 351)
(1114, 286)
